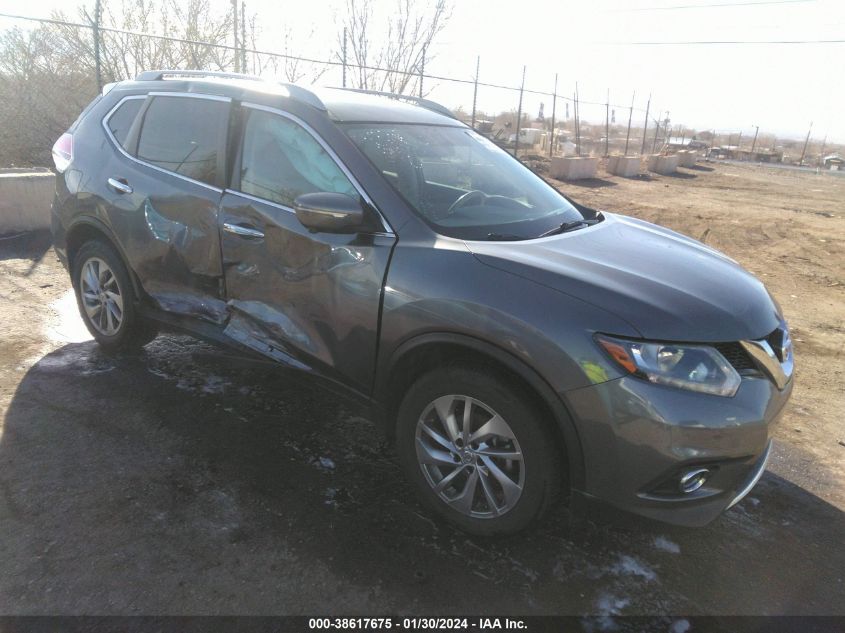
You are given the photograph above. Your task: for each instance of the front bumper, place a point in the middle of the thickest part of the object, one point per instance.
(639, 438)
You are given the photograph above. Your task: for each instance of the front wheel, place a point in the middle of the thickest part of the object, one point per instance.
(106, 299)
(477, 450)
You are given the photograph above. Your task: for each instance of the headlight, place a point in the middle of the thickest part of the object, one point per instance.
(694, 367)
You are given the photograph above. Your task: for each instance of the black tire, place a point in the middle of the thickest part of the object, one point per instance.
(541, 460)
(133, 331)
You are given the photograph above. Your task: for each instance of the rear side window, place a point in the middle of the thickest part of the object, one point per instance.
(281, 160)
(121, 119)
(185, 135)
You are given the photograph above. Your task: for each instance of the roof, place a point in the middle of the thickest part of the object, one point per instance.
(836, 157)
(352, 105)
(341, 104)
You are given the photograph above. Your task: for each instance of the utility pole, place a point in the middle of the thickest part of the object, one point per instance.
(422, 71)
(98, 12)
(577, 122)
(821, 156)
(807, 140)
(344, 57)
(243, 37)
(554, 108)
(607, 124)
(235, 34)
(645, 124)
(754, 142)
(630, 114)
(656, 131)
(519, 115)
(474, 89)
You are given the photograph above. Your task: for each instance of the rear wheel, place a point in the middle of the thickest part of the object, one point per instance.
(106, 299)
(477, 450)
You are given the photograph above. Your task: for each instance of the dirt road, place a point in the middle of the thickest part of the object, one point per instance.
(173, 482)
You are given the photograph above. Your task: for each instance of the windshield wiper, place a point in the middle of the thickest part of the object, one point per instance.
(572, 225)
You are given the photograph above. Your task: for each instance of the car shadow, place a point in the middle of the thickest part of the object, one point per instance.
(700, 168)
(153, 483)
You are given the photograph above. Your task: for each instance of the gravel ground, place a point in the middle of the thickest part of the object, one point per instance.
(176, 482)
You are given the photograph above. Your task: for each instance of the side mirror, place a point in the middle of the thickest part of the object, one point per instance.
(329, 212)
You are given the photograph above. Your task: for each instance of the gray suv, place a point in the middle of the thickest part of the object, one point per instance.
(516, 346)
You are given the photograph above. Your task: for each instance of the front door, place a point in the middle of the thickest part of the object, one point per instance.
(307, 299)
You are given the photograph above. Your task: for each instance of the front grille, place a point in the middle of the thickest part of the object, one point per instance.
(776, 342)
(736, 355)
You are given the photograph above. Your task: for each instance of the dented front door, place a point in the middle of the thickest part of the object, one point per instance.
(309, 300)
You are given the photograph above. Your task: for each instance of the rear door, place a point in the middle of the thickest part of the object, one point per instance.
(310, 300)
(165, 188)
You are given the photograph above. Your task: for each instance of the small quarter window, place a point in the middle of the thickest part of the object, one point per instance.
(281, 160)
(120, 122)
(184, 135)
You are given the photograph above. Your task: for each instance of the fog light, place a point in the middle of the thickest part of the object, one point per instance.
(693, 480)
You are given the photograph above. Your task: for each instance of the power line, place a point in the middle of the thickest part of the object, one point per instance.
(326, 62)
(720, 4)
(721, 42)
(468, 81)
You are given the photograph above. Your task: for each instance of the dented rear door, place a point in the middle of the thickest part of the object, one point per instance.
(164, 191)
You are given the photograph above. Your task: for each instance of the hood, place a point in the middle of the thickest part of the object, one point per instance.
(667, 286)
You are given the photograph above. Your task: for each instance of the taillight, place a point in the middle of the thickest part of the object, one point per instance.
(63, 152)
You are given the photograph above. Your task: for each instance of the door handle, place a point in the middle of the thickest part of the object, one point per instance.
(119, 185)
(243, 231)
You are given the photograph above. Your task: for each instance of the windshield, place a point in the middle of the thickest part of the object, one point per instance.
(461, 183)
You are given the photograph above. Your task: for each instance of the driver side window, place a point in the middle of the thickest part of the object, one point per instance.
(281, 160)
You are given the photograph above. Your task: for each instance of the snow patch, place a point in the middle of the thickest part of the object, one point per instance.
(630, 566)
(323, 463)
(64, 325)
(608, 604)
(664, 544)
(680, 626)
(194, 381)
(213, 384)
(81, 359)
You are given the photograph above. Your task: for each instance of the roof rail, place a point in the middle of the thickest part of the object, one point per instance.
(296, 92)
(158, 75)
(306, 96)
(418, 101)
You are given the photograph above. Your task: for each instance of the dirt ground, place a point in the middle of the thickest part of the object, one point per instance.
(174, 482)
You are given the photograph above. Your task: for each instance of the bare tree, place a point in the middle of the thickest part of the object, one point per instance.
(124, 55)
(42, 93)
(294, 68)
(286, 66)
(407, 38)
(47, 74)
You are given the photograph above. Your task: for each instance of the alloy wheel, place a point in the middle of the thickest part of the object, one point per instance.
(101, 295)
(470, 456)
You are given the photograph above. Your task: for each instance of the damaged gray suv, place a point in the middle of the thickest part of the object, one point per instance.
(518, 347)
